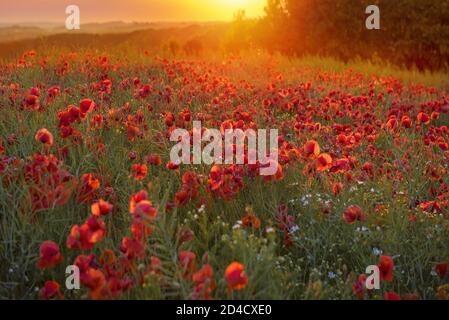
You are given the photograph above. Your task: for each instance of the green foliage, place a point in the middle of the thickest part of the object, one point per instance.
(412, 32)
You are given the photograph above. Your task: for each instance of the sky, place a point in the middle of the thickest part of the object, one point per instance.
(28, 11)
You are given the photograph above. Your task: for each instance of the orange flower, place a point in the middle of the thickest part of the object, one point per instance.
(44, 136)
(311, 149)
(323, 162)
(386, 266)
(49, 255)
(101, 208)
(50, 291)
(235, 276)
(250, 220)
(353, 214)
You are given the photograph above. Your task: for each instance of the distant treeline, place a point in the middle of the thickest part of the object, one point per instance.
(413, 32)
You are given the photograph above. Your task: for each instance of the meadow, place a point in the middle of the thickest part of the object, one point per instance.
(86, 178)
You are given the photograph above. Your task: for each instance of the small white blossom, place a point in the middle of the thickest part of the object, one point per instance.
(293, 229)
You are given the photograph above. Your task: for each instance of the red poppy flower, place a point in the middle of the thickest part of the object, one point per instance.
(358, 288)
(155, 265)
(84, 262)
(44, 136)
(181, 198)
(353, 214)
(139, 171)
(186, 235)
(441, 269)
(2, 148)
(172, 166)
(323, 162)
(50, 291)
(386, 266)
(311, 149)
(132, 248)
(84, 237)
(235, 276)
(101, 208)
(49, 255)
(145, 210)
(154, 160)
(140, 230)
(89, 184)
(278, 176)
(35, 91)
(31, 102)
(423, 118)
(187, 262)
(392, 296)
(410, 296)
(204, 283)
(337, 187)
(136, 198)
(169, 119)
(86, 106)
(406, 122)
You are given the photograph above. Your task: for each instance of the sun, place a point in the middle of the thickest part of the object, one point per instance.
(236, 4)
(252, 8)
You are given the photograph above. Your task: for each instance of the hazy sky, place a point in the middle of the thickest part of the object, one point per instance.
(127, 10)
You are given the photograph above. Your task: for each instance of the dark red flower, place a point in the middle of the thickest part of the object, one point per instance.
(44, 136)
(49, 255)
(392, 296)
(50, 291)
(386, 266)
(441, 269)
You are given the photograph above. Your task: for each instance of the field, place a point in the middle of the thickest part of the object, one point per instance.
(86, 179)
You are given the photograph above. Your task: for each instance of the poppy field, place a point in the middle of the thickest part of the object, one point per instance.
(86, 180)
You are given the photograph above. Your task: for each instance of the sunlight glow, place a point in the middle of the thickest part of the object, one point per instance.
(131, 10)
